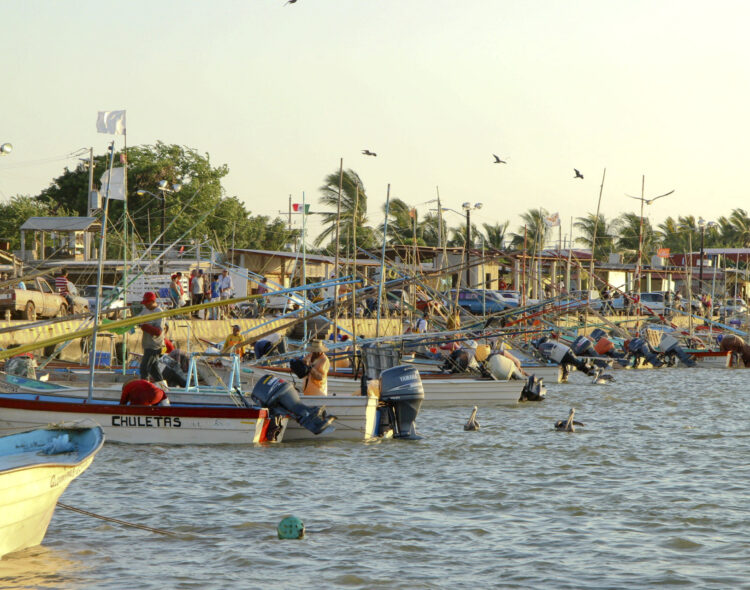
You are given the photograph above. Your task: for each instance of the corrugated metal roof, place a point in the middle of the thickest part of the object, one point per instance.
(59, 223)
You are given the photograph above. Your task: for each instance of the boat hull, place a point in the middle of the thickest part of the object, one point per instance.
(438, 389)
(29, 493)
(174, 425)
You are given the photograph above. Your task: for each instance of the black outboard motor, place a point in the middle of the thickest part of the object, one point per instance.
(582, 346)
(401, 394)
(281, 398)
(534, 390)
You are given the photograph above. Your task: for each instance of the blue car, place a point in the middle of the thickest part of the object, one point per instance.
(476, 302)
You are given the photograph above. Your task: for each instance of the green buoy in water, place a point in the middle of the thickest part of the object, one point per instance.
(291, 527)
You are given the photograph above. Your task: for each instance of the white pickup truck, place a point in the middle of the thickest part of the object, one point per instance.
(38, 300)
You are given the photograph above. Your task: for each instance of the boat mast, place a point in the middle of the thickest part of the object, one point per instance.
(102, 240)
(382, 260)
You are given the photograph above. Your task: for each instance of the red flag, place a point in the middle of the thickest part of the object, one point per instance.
(296, 206)
(182, 249)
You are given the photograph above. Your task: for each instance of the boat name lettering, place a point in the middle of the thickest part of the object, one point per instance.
(56, 480)
(147, 421)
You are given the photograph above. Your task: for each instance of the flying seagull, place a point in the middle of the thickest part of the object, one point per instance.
(290, 2)
(368, 153)
(498, 160)
(649, 201)
(578, 174)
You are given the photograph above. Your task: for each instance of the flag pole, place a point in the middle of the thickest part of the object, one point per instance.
(125, 249)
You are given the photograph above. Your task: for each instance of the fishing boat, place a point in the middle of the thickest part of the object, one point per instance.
(550, 372)
(35, 469)
(439, 389)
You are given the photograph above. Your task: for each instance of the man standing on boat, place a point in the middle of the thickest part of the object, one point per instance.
(196, 290)
(316, 382)
(153, 339)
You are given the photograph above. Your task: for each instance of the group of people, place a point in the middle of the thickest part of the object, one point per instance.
(200, 290)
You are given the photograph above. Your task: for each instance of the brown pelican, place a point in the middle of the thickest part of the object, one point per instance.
(472, 424)
(578, 174)
(568, 425)
(601, 378)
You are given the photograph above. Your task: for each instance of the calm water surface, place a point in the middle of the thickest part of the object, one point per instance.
(652, 492)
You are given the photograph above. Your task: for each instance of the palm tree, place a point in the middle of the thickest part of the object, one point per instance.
(735, 229)
(628, 226)
(400, 223)
(429, 230)
(495, 234)
(353, 195)
(604, 239)
(678, 235)
(535, 230)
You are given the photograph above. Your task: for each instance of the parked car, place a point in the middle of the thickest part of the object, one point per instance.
(477, 301)
(38, 300)
(510, 298)
(733, 306)
(112, 299)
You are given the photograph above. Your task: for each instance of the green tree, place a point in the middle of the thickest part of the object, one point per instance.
(735, 229)
(628, 227)
(16, 211)
(353, 196)
(536, 230)
(495, 234)
(200, 210)
(604, 240)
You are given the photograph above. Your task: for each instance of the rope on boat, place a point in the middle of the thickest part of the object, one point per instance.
(116, 521)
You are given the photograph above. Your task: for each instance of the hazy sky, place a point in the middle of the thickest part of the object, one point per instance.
(435, 87)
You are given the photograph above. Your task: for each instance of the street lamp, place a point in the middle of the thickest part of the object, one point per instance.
(6, 148)
(468, 207)
(703, 224)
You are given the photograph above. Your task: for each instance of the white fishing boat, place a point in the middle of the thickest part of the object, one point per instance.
(178, 424)
(550, 372)
(439, 389)
(35, 469)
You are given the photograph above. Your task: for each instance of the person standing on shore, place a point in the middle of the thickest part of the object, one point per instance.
(225, 289)
(196, 290)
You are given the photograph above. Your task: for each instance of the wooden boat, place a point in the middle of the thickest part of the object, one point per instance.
(33, 476)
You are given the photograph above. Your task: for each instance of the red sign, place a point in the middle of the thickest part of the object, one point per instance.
(663, 252)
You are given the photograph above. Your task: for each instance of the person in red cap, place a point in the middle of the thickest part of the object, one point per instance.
(153, 339)
(140, 392)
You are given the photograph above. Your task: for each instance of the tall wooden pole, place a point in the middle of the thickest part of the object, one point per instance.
(354, 272)
(336, 264)
(593, 238)
(382, 260)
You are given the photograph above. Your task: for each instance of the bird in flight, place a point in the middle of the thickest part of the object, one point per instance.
(498, 160)
(290, 2)
(368, 153)
(578, 174)
(649, 201)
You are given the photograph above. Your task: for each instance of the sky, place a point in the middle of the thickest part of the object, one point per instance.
(282, 92)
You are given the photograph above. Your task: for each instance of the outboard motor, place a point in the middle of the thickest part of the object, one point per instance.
(401, 394)
(639, 348)
(281, 398)
(669, 345)
(534, 390)
(597, 333)
(582, 346)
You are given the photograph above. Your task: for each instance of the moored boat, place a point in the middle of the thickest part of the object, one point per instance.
(35, 469)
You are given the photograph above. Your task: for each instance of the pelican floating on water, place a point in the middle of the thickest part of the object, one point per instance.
(472, 424)
(601, 378)
(568, 425)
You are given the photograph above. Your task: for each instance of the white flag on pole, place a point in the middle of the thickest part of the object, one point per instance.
(116, 185)
(112, 122)
(552, 220)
